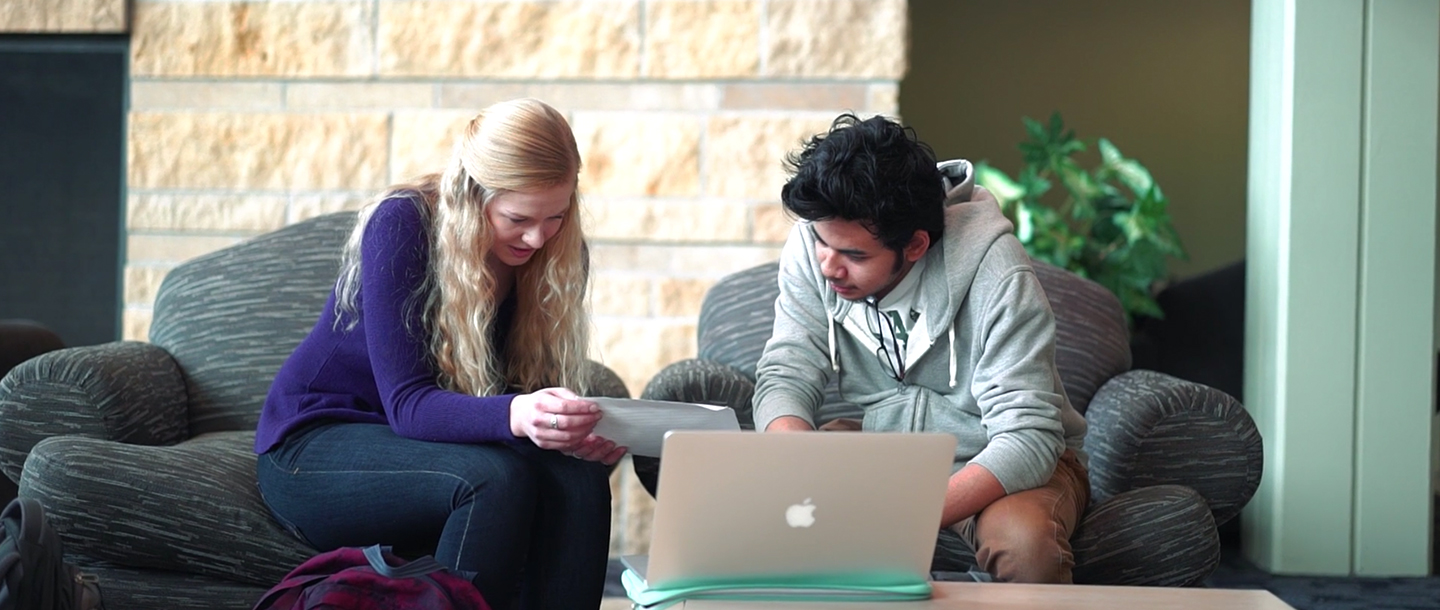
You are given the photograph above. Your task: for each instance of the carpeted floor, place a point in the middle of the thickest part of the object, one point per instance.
(1329, 593)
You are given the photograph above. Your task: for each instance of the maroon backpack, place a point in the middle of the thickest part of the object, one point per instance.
(371, 579)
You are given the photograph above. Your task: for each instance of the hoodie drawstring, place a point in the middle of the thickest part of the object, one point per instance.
(952, 355)
(834, 362)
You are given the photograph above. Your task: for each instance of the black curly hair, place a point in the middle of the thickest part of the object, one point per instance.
(874, 171)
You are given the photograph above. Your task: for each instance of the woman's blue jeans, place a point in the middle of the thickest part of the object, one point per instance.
(532, 525)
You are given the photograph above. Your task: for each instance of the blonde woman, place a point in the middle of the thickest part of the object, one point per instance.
(434, 406)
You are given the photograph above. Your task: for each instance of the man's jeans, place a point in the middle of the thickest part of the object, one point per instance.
(532, 525)
(1025, 536)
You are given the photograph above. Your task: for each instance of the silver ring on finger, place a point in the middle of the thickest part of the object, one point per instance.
(554, 422)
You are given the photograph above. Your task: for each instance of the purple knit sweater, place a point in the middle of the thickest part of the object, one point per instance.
(379, 371)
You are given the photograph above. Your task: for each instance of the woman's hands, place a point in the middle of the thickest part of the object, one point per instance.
(555, 418)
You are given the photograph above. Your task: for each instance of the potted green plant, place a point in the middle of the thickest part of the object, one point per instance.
(1110, 224)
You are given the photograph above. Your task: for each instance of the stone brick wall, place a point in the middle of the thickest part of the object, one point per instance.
(63, 16)
(246, 116)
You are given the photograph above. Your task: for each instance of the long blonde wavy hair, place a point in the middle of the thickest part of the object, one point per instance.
(519, 145)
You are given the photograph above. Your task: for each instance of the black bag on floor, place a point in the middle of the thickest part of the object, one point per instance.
(33, 572)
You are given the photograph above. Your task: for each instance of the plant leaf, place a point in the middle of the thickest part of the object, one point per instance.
(1110, 223)
(1006, 190)
(1130, 173)
(1024, 224)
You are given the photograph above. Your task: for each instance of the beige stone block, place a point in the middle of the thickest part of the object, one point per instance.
(361, 94)
(206, 212)
(884, 98)
(209, 96)
(635, 154)
(257, 151)
(680, 260)
(303, 207)
(828, 97)
(291, 39)
(772, 223)
(636, 349)
(510, 39)
(702, 39)
(639, 515)
(142, 282)
(681, 297)
(744, 155)
(706, 220)
(836, 38)
(572, 96)
(631, 510)
(617, 505)
(423, 142)
(615, 294)
(63, 16)
(135, 323)
(147, 249)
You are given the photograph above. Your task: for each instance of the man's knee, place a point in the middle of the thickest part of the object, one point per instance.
(1024, 544)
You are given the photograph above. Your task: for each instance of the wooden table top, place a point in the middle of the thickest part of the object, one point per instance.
(999, 596)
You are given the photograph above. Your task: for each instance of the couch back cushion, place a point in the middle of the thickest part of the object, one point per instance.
(231, 318)
(1092, 344)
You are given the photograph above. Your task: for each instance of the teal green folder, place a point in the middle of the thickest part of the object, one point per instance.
(835, 587)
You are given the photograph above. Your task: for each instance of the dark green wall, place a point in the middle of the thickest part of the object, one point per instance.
(62, 161)
(1166, 80)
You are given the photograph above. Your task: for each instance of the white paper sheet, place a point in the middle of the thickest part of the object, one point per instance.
(641, 424)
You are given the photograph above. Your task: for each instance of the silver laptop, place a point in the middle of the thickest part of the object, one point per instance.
(734, 505)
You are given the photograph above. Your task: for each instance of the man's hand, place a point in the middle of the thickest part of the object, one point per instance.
(971, 489)
(789, 423)
(843, 424)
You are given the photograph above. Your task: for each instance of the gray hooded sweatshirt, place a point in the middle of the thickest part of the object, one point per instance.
(988, 375)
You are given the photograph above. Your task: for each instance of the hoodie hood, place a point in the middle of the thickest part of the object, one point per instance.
(973, 222)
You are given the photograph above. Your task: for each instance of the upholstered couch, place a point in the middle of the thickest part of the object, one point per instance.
(142, 452)
(21, 340)
(1169, 459)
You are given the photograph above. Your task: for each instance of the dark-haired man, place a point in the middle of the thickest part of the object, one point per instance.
(902, 278)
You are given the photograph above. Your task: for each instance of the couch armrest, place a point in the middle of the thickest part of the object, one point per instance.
(601, 380)
(192, 507)
(124, 391)
(706, 382)
(700, 381)
(1149, 428)
(1159, 536)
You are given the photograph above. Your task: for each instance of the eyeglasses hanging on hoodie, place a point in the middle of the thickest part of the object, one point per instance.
(883, 324)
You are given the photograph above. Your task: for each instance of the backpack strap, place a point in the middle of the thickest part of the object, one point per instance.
(419, 567)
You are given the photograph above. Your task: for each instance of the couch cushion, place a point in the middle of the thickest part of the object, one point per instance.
(232, 317)
(1092, 341)
(737, 317)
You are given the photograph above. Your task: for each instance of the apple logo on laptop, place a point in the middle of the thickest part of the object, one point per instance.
(800, 515)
